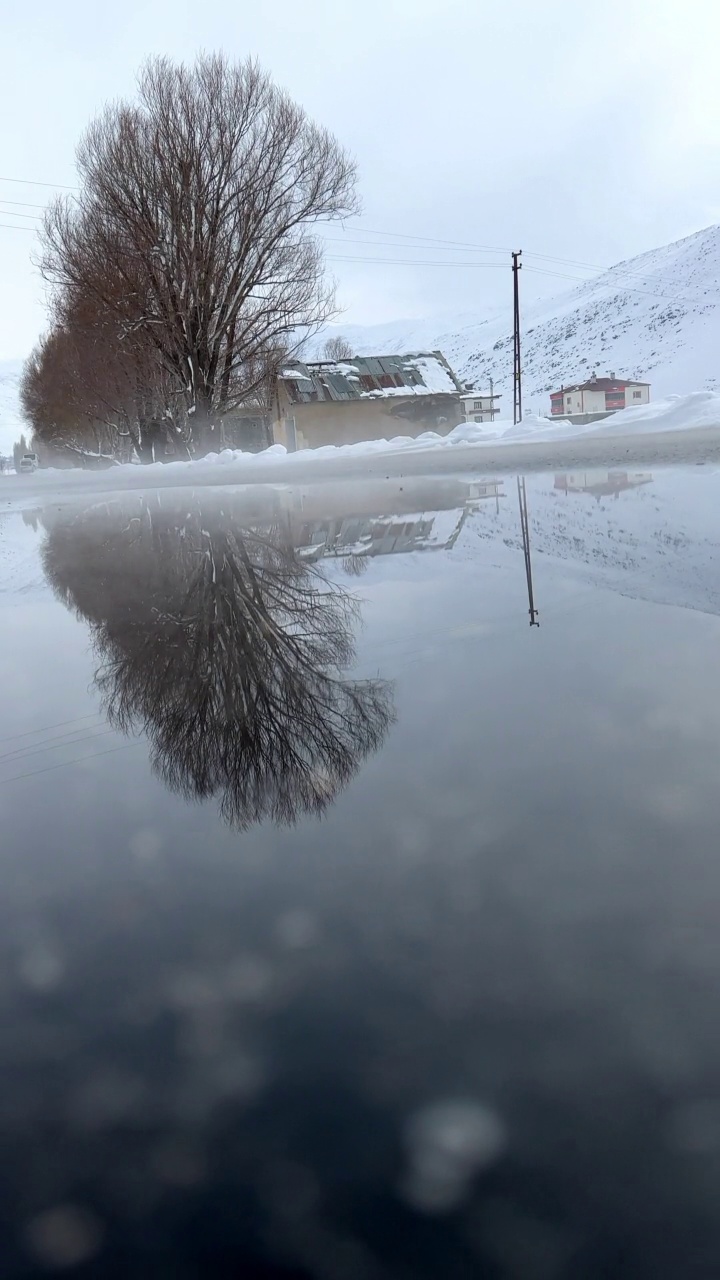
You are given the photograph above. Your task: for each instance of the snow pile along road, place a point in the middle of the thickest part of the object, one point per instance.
(700, 409)
(676, 413)
(697, 411)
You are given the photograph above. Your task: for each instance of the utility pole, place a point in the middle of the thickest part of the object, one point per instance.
(525, 529)
(492, 401)
(517, 371)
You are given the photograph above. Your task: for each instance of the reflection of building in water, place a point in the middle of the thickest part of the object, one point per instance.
(370, 534)
(601, 484)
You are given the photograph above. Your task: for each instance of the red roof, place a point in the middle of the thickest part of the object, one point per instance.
(600, 384)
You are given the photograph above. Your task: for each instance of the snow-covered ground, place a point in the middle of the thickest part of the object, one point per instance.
(676, 413)
(697, 411)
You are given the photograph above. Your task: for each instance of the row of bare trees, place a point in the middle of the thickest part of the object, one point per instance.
(186, 268)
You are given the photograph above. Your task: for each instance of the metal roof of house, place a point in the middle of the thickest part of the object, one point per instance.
(367, 377)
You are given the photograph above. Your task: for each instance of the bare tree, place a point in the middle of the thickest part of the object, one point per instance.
(64, 393)
(337, 349)
(226, 648)
(91, 396)
(193, 226)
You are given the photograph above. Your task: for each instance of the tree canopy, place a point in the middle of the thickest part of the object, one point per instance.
(187, 268)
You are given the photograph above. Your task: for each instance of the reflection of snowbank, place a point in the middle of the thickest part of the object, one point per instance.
(20, 569)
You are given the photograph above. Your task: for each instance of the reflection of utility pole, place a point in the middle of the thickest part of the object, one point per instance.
(517, 372)
(524, 525)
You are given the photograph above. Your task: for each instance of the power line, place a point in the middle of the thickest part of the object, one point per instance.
(386, 244)
(64, 764)
(410, 242)
(447, 244)
(13, 737)
(32, 182)
(24, 204)
(543, 257)
(373, 231)
(60, 740)
(593, 266)
(403, 235)
(411, 262)
(626, 288)
(10, 213)
(543, 271)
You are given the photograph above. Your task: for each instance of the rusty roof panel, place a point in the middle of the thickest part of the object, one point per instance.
(359, 377)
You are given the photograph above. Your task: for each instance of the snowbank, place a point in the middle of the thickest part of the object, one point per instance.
(676, 413)
(465, 433)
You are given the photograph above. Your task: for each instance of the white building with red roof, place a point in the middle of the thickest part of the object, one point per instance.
(598, 397)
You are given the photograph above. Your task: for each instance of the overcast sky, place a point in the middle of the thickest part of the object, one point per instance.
(584, 131)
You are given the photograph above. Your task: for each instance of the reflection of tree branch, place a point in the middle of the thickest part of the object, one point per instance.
(227, 650)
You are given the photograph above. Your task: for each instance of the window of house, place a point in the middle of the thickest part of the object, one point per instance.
(569, 399)
(637, 395)
(477, 404)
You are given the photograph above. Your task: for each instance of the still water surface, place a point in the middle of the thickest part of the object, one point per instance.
(351, 926)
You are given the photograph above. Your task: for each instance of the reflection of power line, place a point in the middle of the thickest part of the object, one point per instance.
(525, 527)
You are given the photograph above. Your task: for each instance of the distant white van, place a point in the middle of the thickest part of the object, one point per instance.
(29, 462)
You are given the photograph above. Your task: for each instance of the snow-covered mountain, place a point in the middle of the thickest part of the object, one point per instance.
(655, 317)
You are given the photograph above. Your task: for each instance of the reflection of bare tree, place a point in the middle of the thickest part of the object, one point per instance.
(227, 650)
(355, 566)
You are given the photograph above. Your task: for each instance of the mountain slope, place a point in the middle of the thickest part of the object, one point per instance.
(656, 317)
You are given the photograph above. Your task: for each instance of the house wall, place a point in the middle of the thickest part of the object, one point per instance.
(484, 413)
(593, 401)
(631, 398)
(350, 421)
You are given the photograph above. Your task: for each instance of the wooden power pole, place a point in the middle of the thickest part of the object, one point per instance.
(525, 530)
(517, 371)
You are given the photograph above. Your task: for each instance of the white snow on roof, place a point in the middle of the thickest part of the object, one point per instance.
(433, 373)
(436, 379)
